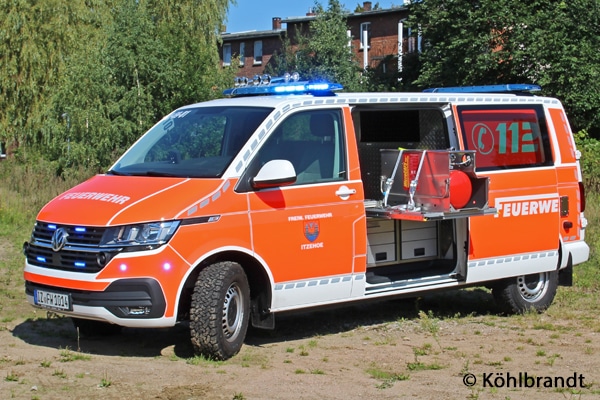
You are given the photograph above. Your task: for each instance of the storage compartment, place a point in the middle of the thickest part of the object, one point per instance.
(414, 249)
(381, 242)
(391, 241)
(425, 185)
(417, 179)
(418, 240)
(408, 251)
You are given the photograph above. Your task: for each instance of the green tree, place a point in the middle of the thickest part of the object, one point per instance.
(81, 79)
(327, 49)
(150, 58)
(553, 44)
(36, 40)
(285, 60)
(190, 30)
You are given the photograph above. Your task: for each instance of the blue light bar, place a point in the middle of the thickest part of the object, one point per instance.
(279, 87)
(510, 88)
(79, 264)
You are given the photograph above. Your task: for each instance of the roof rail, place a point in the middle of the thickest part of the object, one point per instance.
(516, 88)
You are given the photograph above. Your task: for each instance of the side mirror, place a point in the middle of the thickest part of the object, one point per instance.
(274, 173)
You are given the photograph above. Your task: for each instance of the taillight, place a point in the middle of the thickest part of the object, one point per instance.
(581, 197)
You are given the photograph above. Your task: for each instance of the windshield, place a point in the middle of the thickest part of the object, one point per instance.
(196, 142)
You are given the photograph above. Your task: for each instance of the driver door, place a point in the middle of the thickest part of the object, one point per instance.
(305, 232)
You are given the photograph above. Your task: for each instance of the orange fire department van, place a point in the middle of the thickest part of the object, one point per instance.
(287, 195)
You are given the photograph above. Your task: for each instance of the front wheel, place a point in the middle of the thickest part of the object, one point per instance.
(526, 292)
(220, 310)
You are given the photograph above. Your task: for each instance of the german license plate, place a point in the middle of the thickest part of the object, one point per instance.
(56, 301)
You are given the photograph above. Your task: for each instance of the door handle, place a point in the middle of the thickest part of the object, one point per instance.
(344, 192)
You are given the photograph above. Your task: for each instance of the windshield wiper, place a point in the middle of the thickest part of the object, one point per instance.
(117, 173)
(143, 173)
(159, 173)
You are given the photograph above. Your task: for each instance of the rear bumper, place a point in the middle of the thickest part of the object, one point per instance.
(579, 251)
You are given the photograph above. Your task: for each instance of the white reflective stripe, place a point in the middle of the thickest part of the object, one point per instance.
(314, 291)
(487, 269)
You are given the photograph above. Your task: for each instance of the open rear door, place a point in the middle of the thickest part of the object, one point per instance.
(513, 150)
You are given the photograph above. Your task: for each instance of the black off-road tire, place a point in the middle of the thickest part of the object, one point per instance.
(91, 328)
(220, 310)
(527, 292)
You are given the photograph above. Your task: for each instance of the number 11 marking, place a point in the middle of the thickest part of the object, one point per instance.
(519, 135)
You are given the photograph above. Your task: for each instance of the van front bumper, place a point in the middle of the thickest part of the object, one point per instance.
(122, 300)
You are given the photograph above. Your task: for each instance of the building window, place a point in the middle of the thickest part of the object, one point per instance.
(227, 54)
(410, 39)
(258, 52)
(365, 28)
(242, 51)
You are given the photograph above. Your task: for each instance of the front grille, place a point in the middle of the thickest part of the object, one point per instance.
(80, 253)
(78, 235)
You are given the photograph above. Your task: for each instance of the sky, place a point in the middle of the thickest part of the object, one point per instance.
(253, 15)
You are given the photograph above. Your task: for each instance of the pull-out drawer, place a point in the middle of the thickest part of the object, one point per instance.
(381, 238)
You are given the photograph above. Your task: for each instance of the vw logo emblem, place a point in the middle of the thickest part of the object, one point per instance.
(59, 239)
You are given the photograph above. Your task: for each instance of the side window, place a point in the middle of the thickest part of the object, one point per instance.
(313, 142)
(506, 137)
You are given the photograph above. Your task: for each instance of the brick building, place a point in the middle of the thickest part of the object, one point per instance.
(384, 30)
(251, 50)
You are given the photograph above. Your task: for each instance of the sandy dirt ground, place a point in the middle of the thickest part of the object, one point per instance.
(387, 350)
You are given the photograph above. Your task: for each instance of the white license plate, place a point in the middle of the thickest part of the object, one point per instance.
(57, 301)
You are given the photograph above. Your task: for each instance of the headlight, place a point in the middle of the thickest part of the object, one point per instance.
(140, 236)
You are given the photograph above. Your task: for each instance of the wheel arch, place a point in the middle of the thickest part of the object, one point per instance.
(565, 265)
(562, 260)
(258, 280)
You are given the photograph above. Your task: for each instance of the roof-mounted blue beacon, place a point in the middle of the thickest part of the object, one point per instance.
(289, 84)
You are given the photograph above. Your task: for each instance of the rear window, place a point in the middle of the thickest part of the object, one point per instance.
(506, 137)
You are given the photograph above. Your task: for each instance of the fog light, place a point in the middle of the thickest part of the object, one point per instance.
(101, 259)
(135, 310)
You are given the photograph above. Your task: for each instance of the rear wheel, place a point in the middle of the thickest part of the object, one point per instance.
(91, 328)
(220, 310)
(526, 292)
